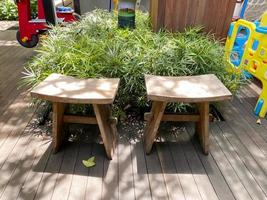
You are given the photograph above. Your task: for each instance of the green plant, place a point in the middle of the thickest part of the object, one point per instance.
(33, 8)
(8, 10)
(95, 47)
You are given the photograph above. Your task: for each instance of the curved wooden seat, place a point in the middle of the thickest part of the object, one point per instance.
(189, 89)
(66, 89)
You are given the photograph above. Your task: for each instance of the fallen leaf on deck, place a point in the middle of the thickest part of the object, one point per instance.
(89, 163)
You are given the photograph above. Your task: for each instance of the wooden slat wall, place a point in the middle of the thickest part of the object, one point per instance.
(175, 15)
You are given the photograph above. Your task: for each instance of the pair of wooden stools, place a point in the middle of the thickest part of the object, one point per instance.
(62, 90)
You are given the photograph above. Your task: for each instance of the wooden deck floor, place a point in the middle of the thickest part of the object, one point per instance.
(235, 169)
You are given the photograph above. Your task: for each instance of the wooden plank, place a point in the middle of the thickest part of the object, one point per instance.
(200, 14)
(244, 175)
(110, 189)
(85, 119)
(65, 174)
(11, 74)
(156, 179)
(168, 17)
(79, 119)
(157, 14)
(219, 26)
(175, 117)
(25, 163)
(80, 174)
(7, 60)
(217, 180)
(10, 97)
(211, 12)
(249, 107)
(161, 14)
(179, 19)
(140, 174)
(249, 119)
(181, 118)
(153, 125)
(12, 69)
(57, 129)
(192, 7)
(186, 88)
(11, 163)
(18, 114)
(228, 18)
(203, 126)
(153, 13)
(228, 172)
(95, 181)
(9, 65)
(49, 178)
(171, 178)
(182, 14)
(201, 178)
(12, 133)
(243, 135)
(245, 156)
(103, 114)
(66, 89)
(126, 181)
(30, 186)
(183, 170)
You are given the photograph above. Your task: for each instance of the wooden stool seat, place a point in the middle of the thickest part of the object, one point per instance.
(187, 89)
(61, 90)
(67, 89)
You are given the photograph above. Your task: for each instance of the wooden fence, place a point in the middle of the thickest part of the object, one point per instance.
(175, 15)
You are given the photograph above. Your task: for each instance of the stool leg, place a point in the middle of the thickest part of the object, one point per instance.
(152, 126)
(57, 130)
(108, 133)
(203, 126)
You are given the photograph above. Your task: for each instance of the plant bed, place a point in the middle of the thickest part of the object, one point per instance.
(95, 48)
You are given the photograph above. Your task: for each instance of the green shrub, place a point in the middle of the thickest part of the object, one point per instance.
(8, 9)
(95, 48)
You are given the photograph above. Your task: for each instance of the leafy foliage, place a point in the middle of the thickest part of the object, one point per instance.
(8, 9)
(95, 48)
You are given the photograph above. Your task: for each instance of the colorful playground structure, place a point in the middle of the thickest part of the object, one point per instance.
(246, 49)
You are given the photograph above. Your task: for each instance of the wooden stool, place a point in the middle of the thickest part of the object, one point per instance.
(61, 90)
(188, 89)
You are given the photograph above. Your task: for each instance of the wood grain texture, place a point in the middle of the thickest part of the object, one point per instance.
(103, 113)
(175, 118)
(176, 15)
(189, 89)
(79, 119)
(153, 125)
(203, 126)
(66, 89)
(57, 130)
(228, 18)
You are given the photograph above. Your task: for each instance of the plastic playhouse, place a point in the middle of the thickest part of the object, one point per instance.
(246, 48)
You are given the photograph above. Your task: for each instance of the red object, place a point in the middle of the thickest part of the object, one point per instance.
(29, 28)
